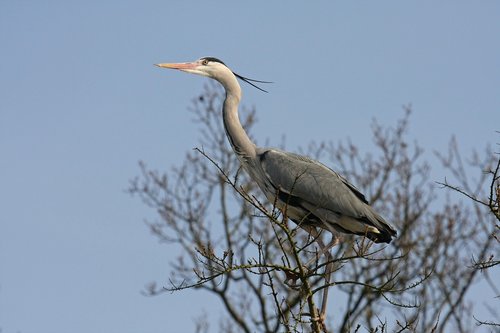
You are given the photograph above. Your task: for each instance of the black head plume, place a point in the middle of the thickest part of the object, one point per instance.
(242, 78)
(249, 81)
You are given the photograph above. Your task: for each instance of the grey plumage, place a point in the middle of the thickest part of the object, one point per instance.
(308, 192)
(315, 195)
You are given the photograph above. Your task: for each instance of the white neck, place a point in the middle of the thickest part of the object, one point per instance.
(238, 138)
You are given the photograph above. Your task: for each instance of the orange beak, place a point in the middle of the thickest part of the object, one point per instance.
(180, 66)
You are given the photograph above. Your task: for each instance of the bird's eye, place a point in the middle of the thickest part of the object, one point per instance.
(204, 62)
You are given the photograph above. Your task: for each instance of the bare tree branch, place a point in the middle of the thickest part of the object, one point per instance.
(246, 252)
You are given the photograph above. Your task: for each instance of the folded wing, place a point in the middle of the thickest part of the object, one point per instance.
(315, 192)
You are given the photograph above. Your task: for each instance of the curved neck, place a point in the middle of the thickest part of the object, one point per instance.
(238, 138)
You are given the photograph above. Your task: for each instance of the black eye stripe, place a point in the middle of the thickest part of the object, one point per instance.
(212, 59)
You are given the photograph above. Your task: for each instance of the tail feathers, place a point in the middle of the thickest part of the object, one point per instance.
(385, 232)
(382, 236)
(385, 236)
(370, 224)
(376, 229)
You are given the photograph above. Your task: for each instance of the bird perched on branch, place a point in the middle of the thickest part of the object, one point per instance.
(310, 194)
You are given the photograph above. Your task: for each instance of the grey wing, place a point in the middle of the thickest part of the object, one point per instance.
(310, 181)
(312, 187)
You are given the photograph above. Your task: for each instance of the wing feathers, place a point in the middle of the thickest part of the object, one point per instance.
(312, 187)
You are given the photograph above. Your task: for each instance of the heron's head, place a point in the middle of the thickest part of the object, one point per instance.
(212, 68)
(206, 66)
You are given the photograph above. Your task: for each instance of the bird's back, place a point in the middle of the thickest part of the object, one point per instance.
(314, 194)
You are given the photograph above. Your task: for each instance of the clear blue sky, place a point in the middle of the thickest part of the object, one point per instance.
(81, 103)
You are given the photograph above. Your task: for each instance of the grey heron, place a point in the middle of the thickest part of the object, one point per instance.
(313, 195)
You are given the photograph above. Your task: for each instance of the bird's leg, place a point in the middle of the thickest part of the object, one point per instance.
(328, 274)
(328, 270)
(322, 248)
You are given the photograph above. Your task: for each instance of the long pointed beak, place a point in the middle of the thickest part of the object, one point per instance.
(180, 66)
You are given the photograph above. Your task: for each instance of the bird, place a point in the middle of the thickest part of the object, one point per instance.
(308, 192)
